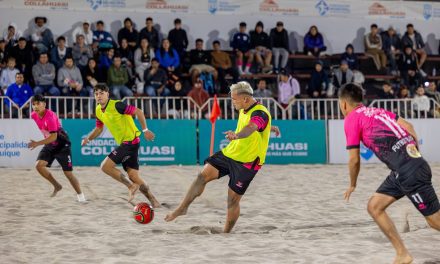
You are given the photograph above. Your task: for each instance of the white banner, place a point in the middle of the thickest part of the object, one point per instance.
(428, 142)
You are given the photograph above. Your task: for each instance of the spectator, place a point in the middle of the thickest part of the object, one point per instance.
(70, 80)
(42, 36)
(101, 38)
(92, 76)
(431, 92)
(373, 48)
(420, 102)
(176, 104)
(81, 52)
(262, 91)
(150, 33)
(84, 30)
(386, 92)
(342, 75)
(117, 79)
(127, 59)
(392, 48)
(408, 69)
(318, 84)
(168, 57)
(156, 80)
(129, 33)
(200, 62)
(350, 57)
(142, 58)
(405, 101)
(3, 54)
(279, 41)
(8, 74)
(106, 59)
(44, 75)
(24, 57)
(414, 39)
(19, 92)
(288, 88)
(178, 38)
(60, 52)
(404, 92)
(260, 48)
(11, 35)
(223, 64)
(240, 44)
(199, 95)
(314, 43)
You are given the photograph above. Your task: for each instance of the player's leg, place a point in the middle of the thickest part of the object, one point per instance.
(434, 220)
(133, 174)
(233, 210)
(41, 166)
(64, 158)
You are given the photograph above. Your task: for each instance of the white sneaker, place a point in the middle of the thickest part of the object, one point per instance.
(81, 198)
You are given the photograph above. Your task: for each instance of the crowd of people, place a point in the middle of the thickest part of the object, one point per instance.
(145, 63)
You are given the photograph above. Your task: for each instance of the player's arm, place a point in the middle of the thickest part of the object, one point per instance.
(354, 166)
(125, 109)
(51, 138)
(95, 132)
(258, 122)
(408, 127)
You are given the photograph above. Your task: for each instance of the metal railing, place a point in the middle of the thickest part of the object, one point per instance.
(406, 108)
(168, 107)
(314, 109)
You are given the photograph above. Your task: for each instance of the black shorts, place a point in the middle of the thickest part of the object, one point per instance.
(417, 186)
(62, 154)
(127, 154)
(240, 174)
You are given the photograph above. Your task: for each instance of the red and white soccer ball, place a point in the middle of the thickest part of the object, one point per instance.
(143, 213)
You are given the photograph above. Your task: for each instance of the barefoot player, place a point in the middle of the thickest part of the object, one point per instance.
(56, 146)
(394, 142)
(241, 159)
(117, 117)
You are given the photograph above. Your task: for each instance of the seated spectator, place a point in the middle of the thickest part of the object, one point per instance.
(260, 48)
(69, 79)
(200, 62)
(279, 41)
(342, 75)
(19, 93)
(3, 54)
(92, 76)
(240, 44)
(199, 95)
(408, 69)
(413, 39)
(392, 48)
(262, 91)
(142, 58)
(314, 43)
(405, 102)
(24, 57)
(150, 33)
(420, 102)
(431, 92)
(156, 80)
(44, 75)
(127, 55)
(11, 35)
(117, 79)
(350, 57)
(84, 30)
(81, 52)
(373, 48)
(60, 52)
(178, 38)
(318, 84)
(223, 64)
(106, 59)
(8, 74)
(288, 88)
(404, 92)
(101, 38)
(129, 33)
(42, 36)
(386, 92)
(168, 59)
(175, 105)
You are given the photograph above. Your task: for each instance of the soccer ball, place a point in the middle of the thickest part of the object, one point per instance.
(143, 213)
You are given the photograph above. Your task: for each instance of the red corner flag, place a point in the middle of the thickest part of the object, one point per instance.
(215, 113)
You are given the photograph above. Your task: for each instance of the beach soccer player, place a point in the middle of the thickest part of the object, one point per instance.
(394, 142)
(240, 159)
(57, 146)
(118, 118)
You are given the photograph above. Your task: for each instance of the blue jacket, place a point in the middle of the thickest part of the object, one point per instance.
(312, 42)
(19, 95)
(104, 39)
(166, 60)
(241, 42)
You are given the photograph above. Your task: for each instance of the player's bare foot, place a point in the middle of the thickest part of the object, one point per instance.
(155, 204)
(403, 259)
(178, 212)
(132, 191)
(56, 189)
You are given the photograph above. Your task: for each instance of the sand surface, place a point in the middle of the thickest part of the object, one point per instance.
(290, 214)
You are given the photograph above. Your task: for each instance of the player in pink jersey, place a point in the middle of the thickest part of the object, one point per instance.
(394, 142)
(56, 146)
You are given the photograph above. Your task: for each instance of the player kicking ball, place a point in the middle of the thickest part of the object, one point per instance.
(394, 142)
(118, 118)
(56, 146)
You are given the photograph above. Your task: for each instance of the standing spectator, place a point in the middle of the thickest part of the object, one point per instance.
(150, 33)
(142, 58)
(318, 84)
(101, 38)
(279, 41)
(60, 52)
(240, 44)
(373, 48)
(156, 80)
(178, 38)
(314, 42)
(408, 69)
(84, 30)
(81, 52)
(19, 92)
(11, 35)
(8, 74)
(414, 39)
(392, 48)
(420, 102)
(386, 92)
(262, 91)
(129, 33)
(200, 62)
(223, 64)
(288, 88)
(69, 79)
(168, 58)
(350, 57)
(24, 57)
(42, 36)
(431, 92)
(117, 79)
(260, 48)
(342, 75)
(44, 75)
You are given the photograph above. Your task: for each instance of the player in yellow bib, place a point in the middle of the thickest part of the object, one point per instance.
(241, 159)
(118, 118)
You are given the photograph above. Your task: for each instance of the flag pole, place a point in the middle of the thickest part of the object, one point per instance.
(211, 149)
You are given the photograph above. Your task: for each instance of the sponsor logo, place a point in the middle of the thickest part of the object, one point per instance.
(271, 6)
(322, 7)
(239, 184)
(412, 151)
(427, 11)
(95, 4)
(54, 4)
(215, 6)
(163, 5)
(377, 9)
(365, 152)
(325, 8)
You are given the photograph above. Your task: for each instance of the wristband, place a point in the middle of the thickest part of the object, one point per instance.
(145, 130)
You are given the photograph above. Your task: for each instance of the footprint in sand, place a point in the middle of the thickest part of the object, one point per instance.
(205, 230)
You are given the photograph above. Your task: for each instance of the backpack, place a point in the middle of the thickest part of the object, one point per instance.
(208, 82)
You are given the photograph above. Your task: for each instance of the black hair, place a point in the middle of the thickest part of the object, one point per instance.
(149, 19)
(242, 24)
(199, 40)
(410, 25)
(128, 19)
(22, 38)
(100, 86)
(61, 38)
(177, 21)
(215, 42)
(154, 59)
(68, 56)
(19, 73)
(100, 22)
(373, 26)
(170, 50)
(38, 98)
(351, 92)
